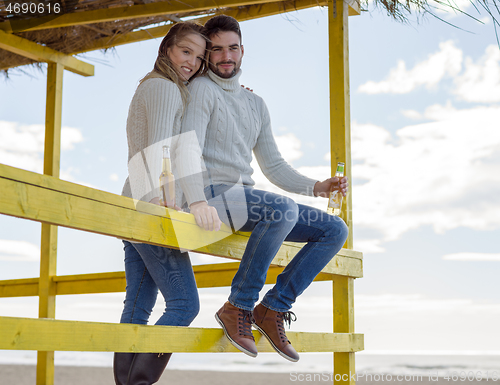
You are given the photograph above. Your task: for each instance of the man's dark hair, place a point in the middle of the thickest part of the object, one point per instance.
(222, 23)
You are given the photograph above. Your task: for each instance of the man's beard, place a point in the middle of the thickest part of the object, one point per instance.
(225, 75)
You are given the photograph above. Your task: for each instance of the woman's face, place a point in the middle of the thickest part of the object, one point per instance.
(187, 55)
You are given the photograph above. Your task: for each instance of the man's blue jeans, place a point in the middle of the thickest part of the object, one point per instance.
(272, 219)
(149, 268)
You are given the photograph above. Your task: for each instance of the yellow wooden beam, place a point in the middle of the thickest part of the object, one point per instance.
(248, 13)
(48, 255)
(45, 334)
(343, 322)
(50, 200)
(340, 118)
(114, 282)
(31, 50)
(122, 13)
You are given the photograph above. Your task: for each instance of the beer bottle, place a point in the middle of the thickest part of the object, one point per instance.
(335, 200)
(167, 180)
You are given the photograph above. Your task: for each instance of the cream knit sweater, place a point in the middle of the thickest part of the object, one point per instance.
(153, 121)
(230, 122)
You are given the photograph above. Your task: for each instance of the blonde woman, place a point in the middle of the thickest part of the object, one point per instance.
(154, 118)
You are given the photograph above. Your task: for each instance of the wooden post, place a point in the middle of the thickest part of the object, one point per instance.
(48, 257)
(343, 322)
(340, 149)
(340, 118)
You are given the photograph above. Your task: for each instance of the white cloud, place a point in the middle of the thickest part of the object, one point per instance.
(444, 174)
(289, 147)
(389, 304)
(22, 145)
(18, 251)
(472, 257)
(480, 82)
(368, 245)
(412, 114)
(446, 62)
(447, 8)
(114, 177)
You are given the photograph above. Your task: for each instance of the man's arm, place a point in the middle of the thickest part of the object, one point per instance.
(189, 155)
(279, 172)
(272, 164)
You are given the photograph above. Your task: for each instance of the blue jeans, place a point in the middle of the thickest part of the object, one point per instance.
(272, 219)
(149, 268)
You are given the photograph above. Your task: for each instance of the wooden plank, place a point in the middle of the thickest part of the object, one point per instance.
(248, 13)
(121, 13)
(48, 245)
(115, 282)
(343, 322)
(164, 227)
(34, 51)
(49, 334)
(340, 119)
(26, 287)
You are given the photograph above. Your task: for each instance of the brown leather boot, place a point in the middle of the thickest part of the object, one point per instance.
(237, 326)
(270, 324)
(121, 367)
(147, 368)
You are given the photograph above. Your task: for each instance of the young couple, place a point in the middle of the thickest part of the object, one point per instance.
(229, 123)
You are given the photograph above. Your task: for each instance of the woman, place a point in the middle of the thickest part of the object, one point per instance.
(153, 120)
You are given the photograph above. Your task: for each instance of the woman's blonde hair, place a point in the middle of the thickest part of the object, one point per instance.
(163, 67)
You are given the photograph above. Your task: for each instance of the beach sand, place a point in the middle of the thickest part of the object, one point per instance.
(71, 375)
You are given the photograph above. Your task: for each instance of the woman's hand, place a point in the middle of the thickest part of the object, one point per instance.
(206, 216)
(323, 189)
(247, 88)
(156, 201)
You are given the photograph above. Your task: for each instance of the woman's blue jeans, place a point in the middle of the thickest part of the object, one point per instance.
(272, 219)
(149, 268)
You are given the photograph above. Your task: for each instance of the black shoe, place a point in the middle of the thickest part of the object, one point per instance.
(121, 367)
(147, 368)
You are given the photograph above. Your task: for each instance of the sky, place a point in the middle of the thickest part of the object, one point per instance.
(425, 110)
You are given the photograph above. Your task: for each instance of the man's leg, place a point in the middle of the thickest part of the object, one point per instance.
(325, 234)
(270, 217)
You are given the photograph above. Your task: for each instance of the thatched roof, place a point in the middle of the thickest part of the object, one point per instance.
(85, 25)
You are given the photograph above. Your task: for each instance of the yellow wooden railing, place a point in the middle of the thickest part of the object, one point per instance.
(53, 202)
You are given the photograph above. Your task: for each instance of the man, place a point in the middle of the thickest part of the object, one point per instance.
(230, 122)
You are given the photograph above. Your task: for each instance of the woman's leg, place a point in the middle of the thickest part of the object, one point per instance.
(140, 298)
(170, 271)
(173, 274)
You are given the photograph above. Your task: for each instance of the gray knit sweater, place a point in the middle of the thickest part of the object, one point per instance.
(230, 122)
(154, 120)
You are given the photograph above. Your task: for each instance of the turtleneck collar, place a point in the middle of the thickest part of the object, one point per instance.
(229, 85)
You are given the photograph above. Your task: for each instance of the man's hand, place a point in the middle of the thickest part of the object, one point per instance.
(206, 216)
(323, 189)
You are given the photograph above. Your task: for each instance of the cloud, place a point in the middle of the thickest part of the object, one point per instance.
(368, 245)
(480, 82)
(473, 81)
(22, 145)
(444, 8)
(446, 62)
(18, 251)
(472, 257)
(441, 174)
(289, 147)
(388, 304)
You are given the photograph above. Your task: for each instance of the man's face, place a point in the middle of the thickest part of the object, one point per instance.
(225, 54)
